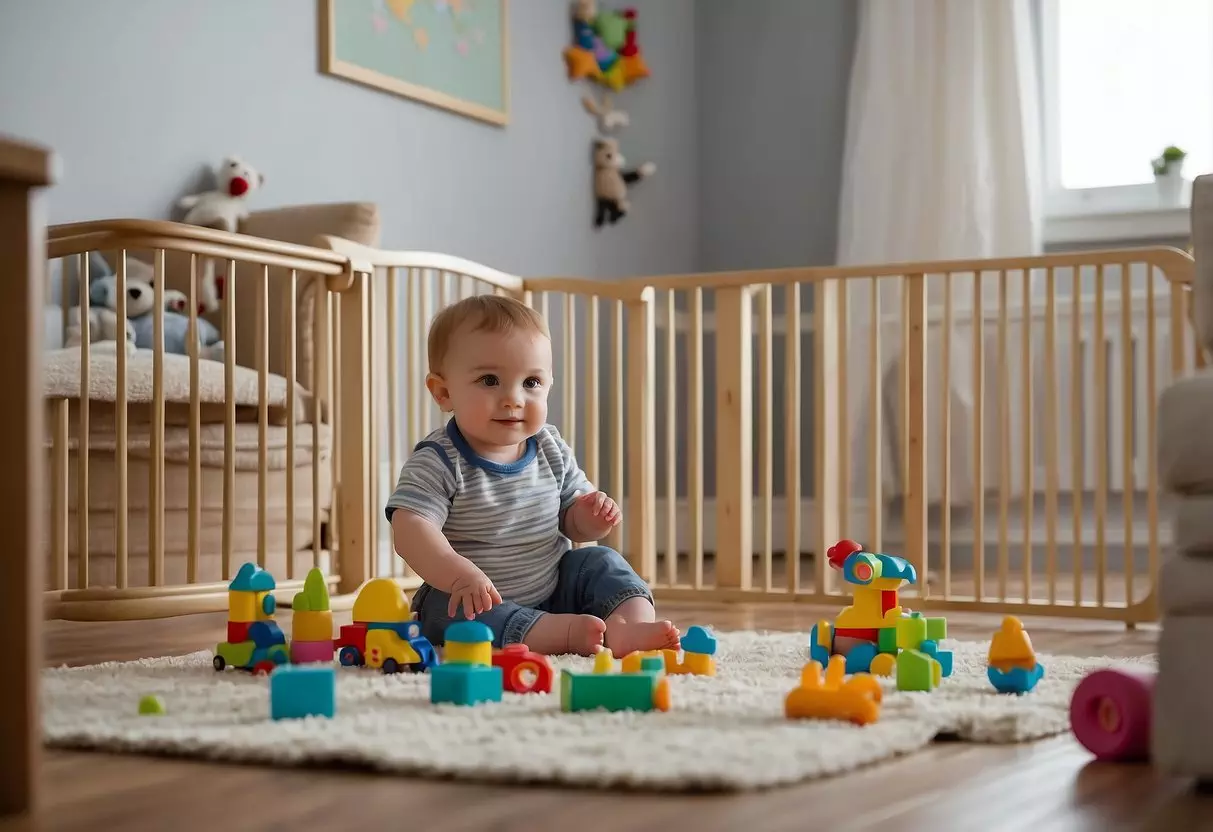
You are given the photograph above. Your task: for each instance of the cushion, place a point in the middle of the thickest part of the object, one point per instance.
(1185, 585)
(1193, 525)
(1185, 443)
(1201, 215)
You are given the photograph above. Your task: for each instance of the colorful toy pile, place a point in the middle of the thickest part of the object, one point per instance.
(605, 47)
(874, 636)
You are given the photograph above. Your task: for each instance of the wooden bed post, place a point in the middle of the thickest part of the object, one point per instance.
(355, 513)
(23, 170)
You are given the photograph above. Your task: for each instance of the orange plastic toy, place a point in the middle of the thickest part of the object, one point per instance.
(523, 671)
(856, 700)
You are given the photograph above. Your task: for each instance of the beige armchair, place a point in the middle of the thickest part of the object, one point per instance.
(1183, 731)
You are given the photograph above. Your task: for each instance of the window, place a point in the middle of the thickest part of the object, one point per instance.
(1121, 80)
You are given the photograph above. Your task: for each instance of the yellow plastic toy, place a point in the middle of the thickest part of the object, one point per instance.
(856, 700)
(604, 662)
(1012, 665)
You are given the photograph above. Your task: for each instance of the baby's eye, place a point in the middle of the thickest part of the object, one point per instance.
(488, 380)
(532, 383)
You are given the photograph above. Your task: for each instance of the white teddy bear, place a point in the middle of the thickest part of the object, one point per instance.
(102, 329)
(226, 205)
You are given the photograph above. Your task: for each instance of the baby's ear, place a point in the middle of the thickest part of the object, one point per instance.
(438, 389)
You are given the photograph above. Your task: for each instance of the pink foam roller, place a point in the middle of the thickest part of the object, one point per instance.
(303, 652)
(1111, 714)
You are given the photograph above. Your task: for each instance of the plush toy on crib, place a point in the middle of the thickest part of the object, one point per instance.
(140, 301)
(227, 204)
(102, 329)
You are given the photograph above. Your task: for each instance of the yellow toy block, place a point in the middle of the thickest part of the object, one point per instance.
(631, 662)
(825, 634)
(381, 601)
(696, 664)
(1011, 647)
(856, 700)
(309, 625)
(246, 607)
(883, 664)
(604, 661)
(480, 653)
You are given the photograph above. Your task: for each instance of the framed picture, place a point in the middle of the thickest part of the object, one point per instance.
(451, 54)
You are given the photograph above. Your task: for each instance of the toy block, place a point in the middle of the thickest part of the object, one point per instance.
(151, 705)
(469, 642)
(855, 700)
(381, 599)
(305, 652)
(883, 664)
(652, 664)
(698, 640)
(911, 632)
(944, 657)
(859, 658)
(886, 639)
(465, 684)
(604, 661)
(695, 664)
(916, 671)
(297, 692)
(252, 578)
(823, 634)
(1016, 679)
(242, 607)
(1010, 647)
(237, 631)
(639, 691)
(937, 629)
(1112, 714)
(312, 626)
(523, 670)
(632, 662)
(315, 594)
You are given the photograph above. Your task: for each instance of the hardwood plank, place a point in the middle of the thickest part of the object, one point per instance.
(1046, 785)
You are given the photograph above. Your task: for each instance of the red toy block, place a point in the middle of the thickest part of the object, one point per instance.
(237, 631)
(523, 671)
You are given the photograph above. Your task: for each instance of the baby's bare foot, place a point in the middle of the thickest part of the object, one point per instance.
(556, 634)
(625, 637)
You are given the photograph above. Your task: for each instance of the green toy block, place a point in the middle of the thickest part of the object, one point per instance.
(641, 691)
(937, 629)
(315, 594)
(886, 639)
(151, 705)
(916, 671)
(465, 684)
(911, 631)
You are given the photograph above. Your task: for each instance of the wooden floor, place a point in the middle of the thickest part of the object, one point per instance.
(1042, 786)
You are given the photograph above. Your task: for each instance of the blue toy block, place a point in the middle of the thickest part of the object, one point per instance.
(465, 684)
(297, 691)
(817, 653)
(266, 634)
(859, 659)
(698, 640)
(468, 632)
(252, 578)
(1015, 680)
(944, 657)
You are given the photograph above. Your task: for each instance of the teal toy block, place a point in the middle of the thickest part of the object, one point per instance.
(698, 640)
(944, 657)
(465, 684)
(652, 664)
(916, 671)
(298, 691)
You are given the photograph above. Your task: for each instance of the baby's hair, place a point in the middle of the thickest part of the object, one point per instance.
(480, 313)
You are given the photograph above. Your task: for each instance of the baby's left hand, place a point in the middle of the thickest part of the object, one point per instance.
(595, 514)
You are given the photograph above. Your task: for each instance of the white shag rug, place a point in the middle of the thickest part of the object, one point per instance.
(722, 733)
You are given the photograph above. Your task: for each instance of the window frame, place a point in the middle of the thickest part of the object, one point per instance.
(1058, 202)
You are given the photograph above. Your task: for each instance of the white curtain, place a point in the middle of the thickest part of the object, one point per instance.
(941, 162)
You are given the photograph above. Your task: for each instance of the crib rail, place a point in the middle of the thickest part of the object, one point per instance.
(991, 420)
(170, 467)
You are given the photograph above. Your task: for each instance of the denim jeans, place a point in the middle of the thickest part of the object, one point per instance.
(592, 581)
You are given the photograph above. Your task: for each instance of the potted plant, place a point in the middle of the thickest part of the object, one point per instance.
(1168, 173)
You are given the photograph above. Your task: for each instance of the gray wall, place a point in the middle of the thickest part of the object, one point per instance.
(137, 95)
(772, 92)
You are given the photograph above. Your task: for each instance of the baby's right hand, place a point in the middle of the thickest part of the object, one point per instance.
(476, 592)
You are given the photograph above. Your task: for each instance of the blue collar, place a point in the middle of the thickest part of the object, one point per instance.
(473, 458)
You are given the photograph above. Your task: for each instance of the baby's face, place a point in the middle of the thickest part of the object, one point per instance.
(497, 385)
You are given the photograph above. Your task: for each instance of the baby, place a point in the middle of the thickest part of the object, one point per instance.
(486, 506)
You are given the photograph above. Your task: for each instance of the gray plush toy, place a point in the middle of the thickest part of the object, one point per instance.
(140, 299)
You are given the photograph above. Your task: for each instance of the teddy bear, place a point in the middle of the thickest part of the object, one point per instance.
(140, 301)
(226, 205)
(611, 181)
(102, 329)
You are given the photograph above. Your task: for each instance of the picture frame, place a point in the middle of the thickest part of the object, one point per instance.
(449, 54)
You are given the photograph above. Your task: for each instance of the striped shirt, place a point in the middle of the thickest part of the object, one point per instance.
(504, 517)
